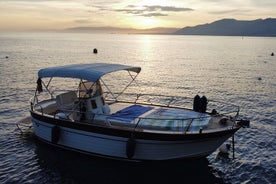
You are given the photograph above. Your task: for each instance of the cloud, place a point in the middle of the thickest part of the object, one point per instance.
(150, 11)
(154, 14)
(82, 21)
(232, 11)
(167, 8)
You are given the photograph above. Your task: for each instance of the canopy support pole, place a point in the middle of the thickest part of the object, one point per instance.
(133, 79)
(233, 146)
(108, 89)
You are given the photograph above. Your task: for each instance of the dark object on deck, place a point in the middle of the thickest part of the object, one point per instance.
(39, 85)
(203, 104)
(200, 104)
(214, 112)
(95, 51)
(197, 102)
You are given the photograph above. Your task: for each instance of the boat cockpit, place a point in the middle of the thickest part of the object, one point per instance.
(80, 105)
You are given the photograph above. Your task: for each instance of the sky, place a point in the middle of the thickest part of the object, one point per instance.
(23, 15)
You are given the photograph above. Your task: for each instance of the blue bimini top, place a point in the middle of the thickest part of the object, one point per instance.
(91, 72)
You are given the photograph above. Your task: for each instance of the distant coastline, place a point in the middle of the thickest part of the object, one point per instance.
(116, 30)
(223, 27)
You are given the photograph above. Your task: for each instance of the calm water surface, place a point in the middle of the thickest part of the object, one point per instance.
(233, 69)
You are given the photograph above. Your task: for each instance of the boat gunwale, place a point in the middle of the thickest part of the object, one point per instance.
(127, 133)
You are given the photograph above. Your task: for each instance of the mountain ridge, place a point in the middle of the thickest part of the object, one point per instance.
(233, 27)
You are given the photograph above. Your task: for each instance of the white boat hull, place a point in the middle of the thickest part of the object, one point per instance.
(116, 146)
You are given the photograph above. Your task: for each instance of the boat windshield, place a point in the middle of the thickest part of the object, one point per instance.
(89, 89)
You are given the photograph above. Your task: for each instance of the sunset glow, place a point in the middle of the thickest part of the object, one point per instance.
(61, 14)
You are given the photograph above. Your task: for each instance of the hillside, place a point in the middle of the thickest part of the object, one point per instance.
(232, 27)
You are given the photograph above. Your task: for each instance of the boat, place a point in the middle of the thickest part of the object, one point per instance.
(89, 117)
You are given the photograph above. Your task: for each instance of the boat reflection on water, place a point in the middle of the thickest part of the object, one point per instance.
(72, 167)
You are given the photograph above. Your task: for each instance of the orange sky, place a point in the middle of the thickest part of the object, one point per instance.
(22, 15)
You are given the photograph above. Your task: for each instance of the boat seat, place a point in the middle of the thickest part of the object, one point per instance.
(65, 101)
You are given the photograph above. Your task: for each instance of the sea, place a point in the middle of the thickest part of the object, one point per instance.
(238, 70)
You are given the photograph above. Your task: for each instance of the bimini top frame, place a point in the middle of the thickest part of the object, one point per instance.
(91, 72)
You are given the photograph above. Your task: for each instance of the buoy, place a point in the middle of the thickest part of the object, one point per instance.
(259, 78)
(7, 57)
(224, 151)
(272, 54)
(95, 51)
(200, 130)
(130, 147)
(55, 134)
(224, 148)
